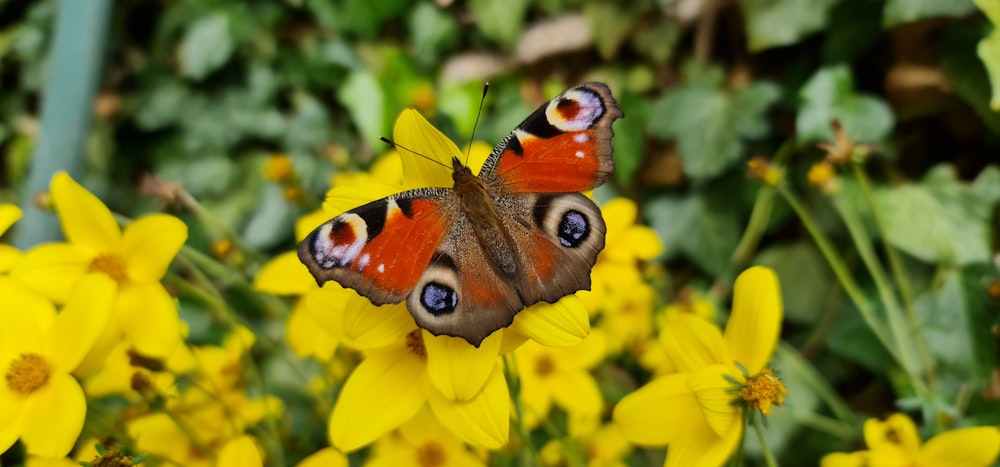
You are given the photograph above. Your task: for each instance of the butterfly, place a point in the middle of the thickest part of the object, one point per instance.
(467, 259)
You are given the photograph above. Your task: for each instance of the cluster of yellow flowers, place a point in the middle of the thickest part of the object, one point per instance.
(88, 320)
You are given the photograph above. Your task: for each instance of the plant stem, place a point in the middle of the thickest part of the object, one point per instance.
(759, 429)
(527, 451)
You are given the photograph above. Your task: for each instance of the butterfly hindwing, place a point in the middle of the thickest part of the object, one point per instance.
(382, 248)
(564, 146)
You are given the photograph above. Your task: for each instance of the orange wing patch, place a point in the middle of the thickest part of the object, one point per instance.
(563, 163)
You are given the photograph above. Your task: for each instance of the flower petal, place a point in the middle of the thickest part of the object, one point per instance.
(964, 447)
(9, 256)
(650, 416)
(559, 324)
(149, 245)
(755, 323)
(9, 214)
(76, 328)
(692, 343)
(342, 199)
(307, 223)
(12, 412)
(483, 421)
(326, 457)
(55, 414)
(86, 221)
(897, 432)
(458, 369)
(643, 242)
(700, 448)
(148, 318)
(53, 269)
(710, 388)
(577, 393)
(284, 275)
(844, 459)
(354, 321)
(239, 452)
(384, 391)
(26, 318)
(413, 132)
(305, 337)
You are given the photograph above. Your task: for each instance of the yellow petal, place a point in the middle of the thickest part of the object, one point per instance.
(643, 242)
(384, 391)
(9, 256)
(12, 411)
(619, 214)
(692, 343)
(429, 163)
(559, 324)
(240, 452)
(53, 269)
(34, 461)
(9, 214)
(577, 393)
(698, 447)
(149, 245)
(584, 356)
(285, 275)
(26, 318)
(308, 222)
(458, 369)
(964, 447)
(660, 412)
(55, 414)
(342, 199)
(326, 457)
(755, 323)
(898, 431)
(86, 221)
(844, 459)
(354, 321)
(81, 321)
(483, 421)
(105, 343)
(710, 388)
(148, 318)
(307, 338)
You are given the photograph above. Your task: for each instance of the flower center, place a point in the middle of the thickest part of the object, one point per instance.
(544, 365)
(109, 263)
(763, 391)
(27, 373)
(415, 342)
(431, 455)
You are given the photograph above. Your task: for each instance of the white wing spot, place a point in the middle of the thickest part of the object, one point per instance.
(580, 154)
(381, 268)
(363, 261)
(581, 138)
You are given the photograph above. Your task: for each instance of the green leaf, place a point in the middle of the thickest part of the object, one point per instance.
(956, 318)
(711, 125)
(830, 95)
(940, 219)
(705, 230)
(854, 27)
(806, 279)
(904, 11)
(206, 46)
(966, 70)
(851, 337)
(363, 98)
(774, 23)
(309, 126)
(989, 49)
(629, 140)
(611, 23)
(500, 21)
(431, 31)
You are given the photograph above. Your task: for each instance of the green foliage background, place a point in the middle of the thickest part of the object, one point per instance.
(203, 92)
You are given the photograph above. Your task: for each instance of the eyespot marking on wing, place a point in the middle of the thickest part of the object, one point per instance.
(574, 228)
(337, 243)
(438, 299)
(576, 110)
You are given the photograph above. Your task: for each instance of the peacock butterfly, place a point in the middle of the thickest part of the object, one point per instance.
(468, 258)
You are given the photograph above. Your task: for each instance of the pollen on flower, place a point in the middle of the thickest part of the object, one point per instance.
(763, 391)
(415, 343)
(109, 263)
(431, 454)
(27, 373)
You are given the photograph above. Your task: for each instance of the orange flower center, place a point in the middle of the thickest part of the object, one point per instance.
(27, 373)
(764, 391)
(109, 263)
(431, 455)
(415, 343)
(544, 365)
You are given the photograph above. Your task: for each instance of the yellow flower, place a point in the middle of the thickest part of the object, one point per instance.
(692, 410)
(326, 457)
(896, 443)
(421, 442)
(605, 447)
(136, 259)
(562, 376)
(279, 168)
(40, 402)
(240, 452)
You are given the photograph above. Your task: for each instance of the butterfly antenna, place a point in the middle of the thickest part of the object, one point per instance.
(468, 151)
(415, 153)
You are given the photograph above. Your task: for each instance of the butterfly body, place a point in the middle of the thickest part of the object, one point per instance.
(466, 259)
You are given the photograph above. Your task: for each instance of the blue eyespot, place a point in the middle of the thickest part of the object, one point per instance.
(573, 229)
(438, 299)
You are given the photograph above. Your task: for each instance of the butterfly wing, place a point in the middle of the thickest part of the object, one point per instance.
(382, 248)
(564, 146)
